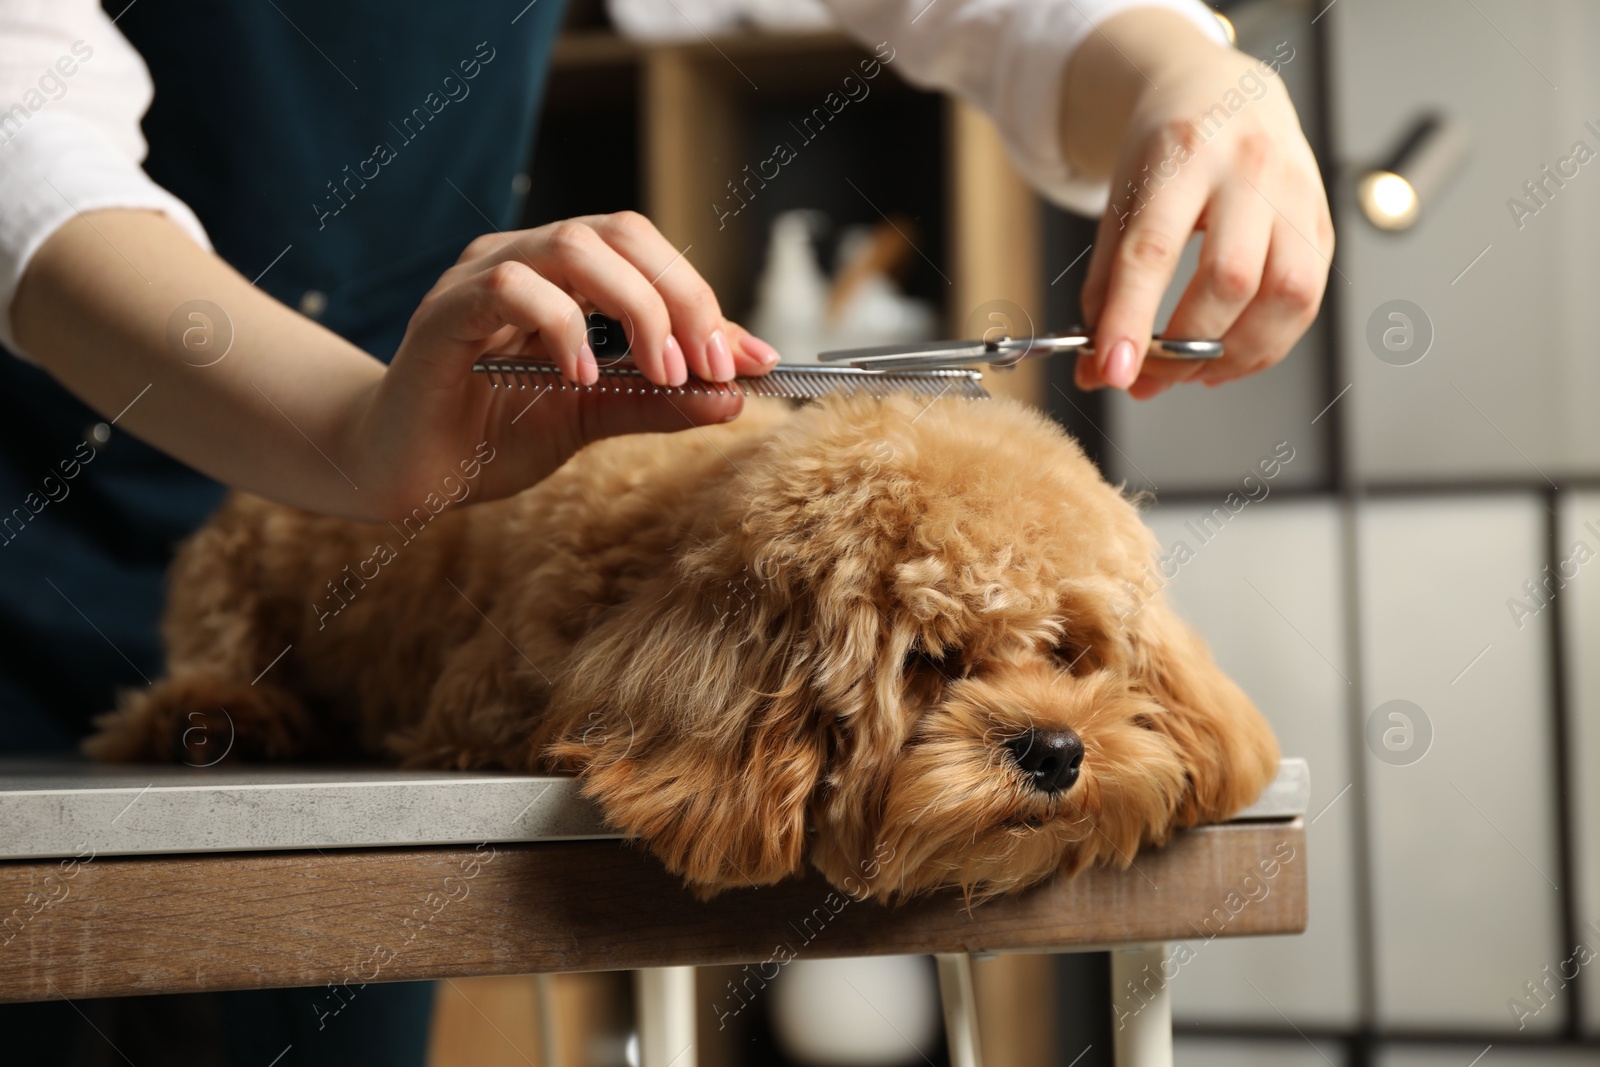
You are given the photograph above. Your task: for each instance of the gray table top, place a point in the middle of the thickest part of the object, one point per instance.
(54, 807)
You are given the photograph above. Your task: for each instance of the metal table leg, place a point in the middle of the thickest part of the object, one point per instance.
(960, 1009)
(545, 986)
(666, 1016)
(1142, 1031)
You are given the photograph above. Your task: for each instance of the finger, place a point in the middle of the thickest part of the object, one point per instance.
(1292, 284)
(465, 320)
(574, 257)
(1086, 373)
(752, 357)
(1148, 386)
(1107, 234)
(1238, 227)
(482, 247)
(1140, 269)
(1092, 297)
(1172, 371)
(1127, 202)
(696, 316)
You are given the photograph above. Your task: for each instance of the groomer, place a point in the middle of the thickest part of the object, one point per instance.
(287, 296)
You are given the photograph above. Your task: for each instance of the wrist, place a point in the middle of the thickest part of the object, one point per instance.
(355, 432)
(1133, 56)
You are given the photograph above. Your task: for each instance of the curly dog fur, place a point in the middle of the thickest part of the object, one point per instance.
(803, 633)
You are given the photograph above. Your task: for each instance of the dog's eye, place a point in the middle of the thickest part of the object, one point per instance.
(1074, 659)
(926, 676)
(948, 663)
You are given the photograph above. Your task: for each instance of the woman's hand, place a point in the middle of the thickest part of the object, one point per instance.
(527, 293)
(1197, 138)
(299, 415)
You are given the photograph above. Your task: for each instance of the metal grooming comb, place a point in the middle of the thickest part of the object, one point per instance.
(795, 383)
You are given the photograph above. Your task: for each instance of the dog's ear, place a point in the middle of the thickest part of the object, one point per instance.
(1226, 746)
(689, 714)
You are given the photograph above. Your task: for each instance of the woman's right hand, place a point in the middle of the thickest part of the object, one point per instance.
(529, 293)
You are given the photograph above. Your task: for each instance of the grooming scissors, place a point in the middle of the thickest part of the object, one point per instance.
(1003, 351)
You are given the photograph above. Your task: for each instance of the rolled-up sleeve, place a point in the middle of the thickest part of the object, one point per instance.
(72, 92)
(1007, 57)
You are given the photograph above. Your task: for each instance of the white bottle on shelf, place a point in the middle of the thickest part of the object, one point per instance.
(792, 292)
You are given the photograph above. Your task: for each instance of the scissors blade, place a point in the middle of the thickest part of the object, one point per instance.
(1185, 348)
(910, 355)
(1005, 352)
(1080, 343)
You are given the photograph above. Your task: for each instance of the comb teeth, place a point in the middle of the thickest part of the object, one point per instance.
(793, 383)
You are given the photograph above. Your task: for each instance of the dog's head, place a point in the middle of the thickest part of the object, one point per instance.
(925, 643)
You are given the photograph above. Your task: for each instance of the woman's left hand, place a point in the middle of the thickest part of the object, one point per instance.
(1210, 143)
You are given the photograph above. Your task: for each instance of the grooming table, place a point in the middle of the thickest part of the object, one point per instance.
(134, 880)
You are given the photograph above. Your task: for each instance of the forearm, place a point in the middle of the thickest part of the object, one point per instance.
(1133, 52)
(273, 416)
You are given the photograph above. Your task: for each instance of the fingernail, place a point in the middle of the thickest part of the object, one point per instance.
(588, 369)
(730, 418)
(758, 348)
(1119, 370)
(677, 369)
(720, 356)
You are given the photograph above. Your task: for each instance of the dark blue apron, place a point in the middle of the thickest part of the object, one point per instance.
(344, 151)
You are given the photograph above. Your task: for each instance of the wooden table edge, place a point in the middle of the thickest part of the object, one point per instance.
(108, 926)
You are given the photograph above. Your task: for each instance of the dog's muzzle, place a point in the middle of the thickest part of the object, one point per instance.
(1050, 758)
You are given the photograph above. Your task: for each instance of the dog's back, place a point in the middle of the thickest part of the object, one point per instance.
(359, 621)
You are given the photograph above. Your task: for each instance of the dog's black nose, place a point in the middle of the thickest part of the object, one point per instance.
(1050, 757)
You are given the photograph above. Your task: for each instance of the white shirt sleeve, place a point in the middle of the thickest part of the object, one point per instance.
(72, 92)
(1008, 58)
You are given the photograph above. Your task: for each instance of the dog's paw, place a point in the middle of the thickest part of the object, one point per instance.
(203, 721)
(1250, 765)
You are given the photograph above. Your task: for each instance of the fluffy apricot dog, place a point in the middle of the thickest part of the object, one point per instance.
(916, 637)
